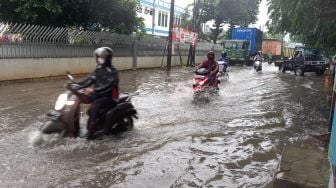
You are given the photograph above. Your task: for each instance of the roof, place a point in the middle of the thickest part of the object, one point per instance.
(272, 40)
(236, 40)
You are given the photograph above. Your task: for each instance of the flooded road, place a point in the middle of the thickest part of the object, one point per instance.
(234, 140)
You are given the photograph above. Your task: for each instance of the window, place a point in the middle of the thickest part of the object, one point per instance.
(312, 54)
(147, 10)
(163, 19)
(245, 46)
(139, 9)
(166, 20)
(151, 11)
(228, 45)
(177, 20)
(159, 19)
(234, 46)
(240, 45)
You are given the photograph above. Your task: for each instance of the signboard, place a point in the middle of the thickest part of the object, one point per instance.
(184, 35)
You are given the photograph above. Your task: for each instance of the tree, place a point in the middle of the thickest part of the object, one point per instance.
(302, 20)
(87, 14)
(233, 12)
(186, 20)
(268, 35)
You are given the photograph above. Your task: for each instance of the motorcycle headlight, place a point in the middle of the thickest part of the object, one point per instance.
(61, 101)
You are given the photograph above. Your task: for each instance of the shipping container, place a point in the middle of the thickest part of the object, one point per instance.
(253, 35)
(271, 46)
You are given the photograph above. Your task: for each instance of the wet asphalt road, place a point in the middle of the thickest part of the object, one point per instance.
(233, 140)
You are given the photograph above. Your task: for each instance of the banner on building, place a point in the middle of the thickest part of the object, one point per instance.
(184, 35)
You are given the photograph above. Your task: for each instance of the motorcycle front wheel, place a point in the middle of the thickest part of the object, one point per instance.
(125, 124)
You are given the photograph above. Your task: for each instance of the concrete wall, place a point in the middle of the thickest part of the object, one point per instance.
(23, 68)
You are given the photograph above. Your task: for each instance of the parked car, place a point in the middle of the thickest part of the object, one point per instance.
(305, 59)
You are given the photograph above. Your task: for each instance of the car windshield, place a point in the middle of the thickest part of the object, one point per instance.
(312, 55)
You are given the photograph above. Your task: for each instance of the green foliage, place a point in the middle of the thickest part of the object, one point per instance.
(233, 12)
(269, 35)
(186, 18)
(301, 18)
(140, 28)
(115, 15)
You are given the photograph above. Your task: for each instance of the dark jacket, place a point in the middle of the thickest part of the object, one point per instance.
(105, 79)
(222, 58)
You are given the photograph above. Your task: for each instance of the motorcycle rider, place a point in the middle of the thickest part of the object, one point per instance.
(105, 80)
(258, 57)
(212, 66)
(270, 57)
(223, 58)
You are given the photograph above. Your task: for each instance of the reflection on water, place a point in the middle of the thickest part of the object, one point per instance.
(233, 140)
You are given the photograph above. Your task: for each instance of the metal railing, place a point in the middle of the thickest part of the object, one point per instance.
(35, 41)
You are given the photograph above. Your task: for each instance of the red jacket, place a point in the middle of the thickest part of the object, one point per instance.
(211, 66)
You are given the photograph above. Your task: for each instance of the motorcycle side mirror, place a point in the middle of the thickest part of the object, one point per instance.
(69, 76)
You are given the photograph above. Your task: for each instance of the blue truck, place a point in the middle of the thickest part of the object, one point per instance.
(244, 43)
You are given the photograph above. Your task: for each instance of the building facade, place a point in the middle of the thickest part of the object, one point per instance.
(156, 14)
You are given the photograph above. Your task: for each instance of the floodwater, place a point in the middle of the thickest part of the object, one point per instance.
(233, 140)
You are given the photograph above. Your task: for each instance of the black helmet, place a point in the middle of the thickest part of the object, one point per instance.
(104, 53)
(211, 55)
(223, 53)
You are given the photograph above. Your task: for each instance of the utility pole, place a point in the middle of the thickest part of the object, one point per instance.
(170, 37)
(191, 57)
(153, 19)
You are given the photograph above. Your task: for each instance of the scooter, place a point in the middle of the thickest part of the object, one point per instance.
(257, 65)
(201, 83)
(65, 117)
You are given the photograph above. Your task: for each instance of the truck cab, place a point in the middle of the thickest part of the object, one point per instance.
(237, 51)
(305, 60)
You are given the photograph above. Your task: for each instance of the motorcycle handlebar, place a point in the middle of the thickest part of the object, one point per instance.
(70, 77)
(72, 86)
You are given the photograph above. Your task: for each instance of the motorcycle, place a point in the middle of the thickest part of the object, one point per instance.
(223, 69)
(65, 117)
(201, 83)
(257, 65)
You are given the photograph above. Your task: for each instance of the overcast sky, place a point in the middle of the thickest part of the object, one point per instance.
(262, 17)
